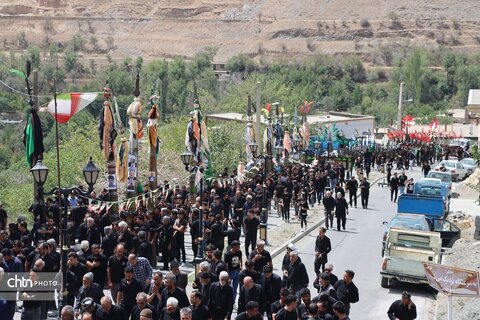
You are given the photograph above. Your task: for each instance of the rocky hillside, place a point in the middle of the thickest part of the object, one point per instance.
(259, 28)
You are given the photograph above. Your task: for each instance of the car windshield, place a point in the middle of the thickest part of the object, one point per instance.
(448, 164)
(407, 223)
(444, 177)
(470, 162)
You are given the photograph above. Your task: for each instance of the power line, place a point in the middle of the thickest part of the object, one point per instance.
(23, 93)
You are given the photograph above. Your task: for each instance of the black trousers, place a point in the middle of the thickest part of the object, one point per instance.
(319, 263)
(364, 196)
(250, 241)
(353, 195)
(393, 194)
(328, 218)
(343, 220)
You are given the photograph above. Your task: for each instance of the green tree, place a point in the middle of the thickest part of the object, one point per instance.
(70, 60)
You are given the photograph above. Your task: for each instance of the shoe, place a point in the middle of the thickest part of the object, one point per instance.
(355, 206)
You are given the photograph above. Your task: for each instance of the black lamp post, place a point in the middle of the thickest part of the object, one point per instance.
(187, 158)
(40, 174)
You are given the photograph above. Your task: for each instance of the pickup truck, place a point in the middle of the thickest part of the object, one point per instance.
(433, 206)
(445, 177)
(449, 233)
(405, 251)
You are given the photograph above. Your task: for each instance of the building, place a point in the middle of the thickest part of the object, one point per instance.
(472, 110)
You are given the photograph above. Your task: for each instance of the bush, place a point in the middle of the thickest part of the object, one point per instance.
(241, 63)
(364, 23)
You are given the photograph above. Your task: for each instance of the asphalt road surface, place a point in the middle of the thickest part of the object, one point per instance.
(359, 249)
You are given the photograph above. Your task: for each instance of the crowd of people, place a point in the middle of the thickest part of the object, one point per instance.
(120, 253)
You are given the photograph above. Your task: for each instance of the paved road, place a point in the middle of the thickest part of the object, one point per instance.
(359, 248)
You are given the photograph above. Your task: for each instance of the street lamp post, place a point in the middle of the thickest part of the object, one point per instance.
(187, 158)
(40, 174)
(264, 214)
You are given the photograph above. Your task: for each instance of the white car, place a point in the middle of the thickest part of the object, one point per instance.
(456, 169)
(469, 163)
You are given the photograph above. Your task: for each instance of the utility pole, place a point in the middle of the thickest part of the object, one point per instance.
(35, 105)
(134, 114)
(400, 101)
(258, 120)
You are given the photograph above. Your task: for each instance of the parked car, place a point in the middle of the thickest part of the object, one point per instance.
(445, 177)
(469, 163)
(457, 170)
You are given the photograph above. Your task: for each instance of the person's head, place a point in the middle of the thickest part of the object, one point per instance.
(348, 276)
(172, 304)
(22, 226)
(291, 303)
(322, 306)
(329, 268)
(120, 250)
(67, 313)
(7, 254)
(339, 308)
(128, 272)
(186, 314)
(87, 279)
(406, 297)
(328, 194)
(324, 279)
(223, 278)
(205, 278)
(204, 266)
(88, 305)
(260, 245)
(235, 246)
(267, 271)
(95, 249)
(84, 245)
(146, 314)
(142, 235)
(132, 259)
(195, 297)
(170, 281)
(175, 267)
(293, 256)
(284, 293)
(252, 308)
(322, 231)
(249, 264)
(248, 282)
(305, 295)
(339, 195)
(217, 255)
(158, 278)
(90, 222)
(106, 303)
(122, 225)
(141, 300)
(312, 310)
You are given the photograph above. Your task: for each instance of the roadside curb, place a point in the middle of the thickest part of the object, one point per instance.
(300, 236)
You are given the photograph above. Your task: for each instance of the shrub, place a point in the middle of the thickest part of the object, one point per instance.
(364, 23)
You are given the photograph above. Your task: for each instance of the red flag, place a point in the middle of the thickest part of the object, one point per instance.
(408, 118)
(268, 107)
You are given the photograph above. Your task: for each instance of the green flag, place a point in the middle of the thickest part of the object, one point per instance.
(29, 141)
(18, 73)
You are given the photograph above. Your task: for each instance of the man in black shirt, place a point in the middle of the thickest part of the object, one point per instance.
(199, 310)
(260, 257)
(271, 284)
(329, 205)
(78, 269)
(251, 291)
(233, 259)
(252, 224)
(394, 188)
(89, 289)
(289, 311)
(251, 312)
(145, 247)
(128, 290)
(115, 267)
(352, 187)
(221, 299)
(323, 247)
(3, 218)
(108, 242)
(109, 311)
(141, 305)
(364, 192)
(347, 292)
(171, 290)
(97, 264)
(403, 309)
(279, 304)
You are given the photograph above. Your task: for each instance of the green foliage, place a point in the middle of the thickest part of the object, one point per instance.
(241, 63)
(70, 60)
